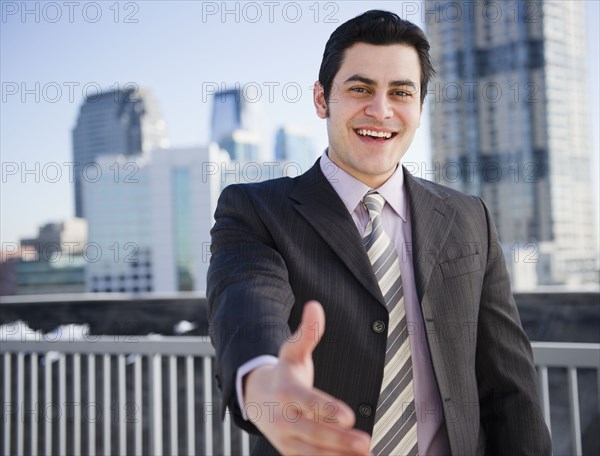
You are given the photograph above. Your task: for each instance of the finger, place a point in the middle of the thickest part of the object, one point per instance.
(307, 336)
(331, 437)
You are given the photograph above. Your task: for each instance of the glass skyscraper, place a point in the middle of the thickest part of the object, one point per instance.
(509, 123)
(228, 114)
(234, 125)
(118, 122)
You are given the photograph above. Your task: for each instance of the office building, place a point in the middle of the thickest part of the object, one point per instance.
(8, 269)
(120, 237)
(53, 238)
(295, 145)
(509, 123)
(234, 125)
(229, 112)
(153, 229)
(117, 122)
(184, 188)
(241, 145)
(63, 273)
(52, 262)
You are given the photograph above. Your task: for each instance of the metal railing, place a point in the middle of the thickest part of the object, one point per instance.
(572, 356)
(119, 396)
(155, 395)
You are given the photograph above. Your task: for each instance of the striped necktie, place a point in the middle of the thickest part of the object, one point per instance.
(395, 431)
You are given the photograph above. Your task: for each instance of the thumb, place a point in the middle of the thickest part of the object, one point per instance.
(307, 336)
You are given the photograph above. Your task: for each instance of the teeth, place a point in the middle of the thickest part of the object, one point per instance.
(375, 134)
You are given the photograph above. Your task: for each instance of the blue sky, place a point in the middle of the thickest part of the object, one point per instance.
(175, 49)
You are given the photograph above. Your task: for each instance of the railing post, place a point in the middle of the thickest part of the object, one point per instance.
(20, 401)
(122, 405)
(62, 401)
(190, 405)
(208, 442)
(245, 443)
(48, 401)
(77, 404)
(7, 399)
(33, 361)
(156, 405)
(107, 415)
(139, 409)
(574, 411)
(91, 377)
(545, 395)
(226, 426)
(174, 441)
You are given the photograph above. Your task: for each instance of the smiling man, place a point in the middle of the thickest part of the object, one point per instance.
(357, 309)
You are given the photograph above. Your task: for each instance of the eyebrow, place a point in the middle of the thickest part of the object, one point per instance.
(371, 82)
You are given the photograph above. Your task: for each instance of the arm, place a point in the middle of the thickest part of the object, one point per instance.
(249, 296)
(250, 300)
(510, 409)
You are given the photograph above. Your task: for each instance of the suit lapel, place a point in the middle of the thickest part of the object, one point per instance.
(431, 220)
(320, 205)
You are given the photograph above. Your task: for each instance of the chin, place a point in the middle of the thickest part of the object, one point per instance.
(380, 170)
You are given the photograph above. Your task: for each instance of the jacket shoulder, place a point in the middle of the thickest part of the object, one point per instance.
(271, 187)
(449, 195)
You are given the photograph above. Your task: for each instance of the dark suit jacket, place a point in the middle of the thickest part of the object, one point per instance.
(280, 243)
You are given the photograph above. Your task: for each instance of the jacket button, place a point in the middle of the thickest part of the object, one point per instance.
(365, 410)
(378, 326)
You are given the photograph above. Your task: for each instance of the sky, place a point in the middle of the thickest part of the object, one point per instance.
(53, 53)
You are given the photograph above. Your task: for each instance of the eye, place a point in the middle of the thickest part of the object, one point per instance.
(358, 89)
(401, 93)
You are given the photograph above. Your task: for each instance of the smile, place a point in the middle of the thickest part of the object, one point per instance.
(375, 134)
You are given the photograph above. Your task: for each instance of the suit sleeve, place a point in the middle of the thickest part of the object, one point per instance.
(510, 410)
(248, 293)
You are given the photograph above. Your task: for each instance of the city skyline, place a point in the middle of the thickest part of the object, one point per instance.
(41, 98)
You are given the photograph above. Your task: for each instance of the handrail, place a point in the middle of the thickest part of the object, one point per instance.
(566, 354)
(114, 345)
(195, 355)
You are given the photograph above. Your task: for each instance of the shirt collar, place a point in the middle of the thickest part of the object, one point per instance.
(351, 191)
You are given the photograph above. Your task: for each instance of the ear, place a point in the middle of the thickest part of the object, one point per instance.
(319, 100)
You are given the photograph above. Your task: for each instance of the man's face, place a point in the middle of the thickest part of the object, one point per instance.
(374, 110)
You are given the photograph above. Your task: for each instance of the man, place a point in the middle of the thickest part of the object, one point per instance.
(410, 342)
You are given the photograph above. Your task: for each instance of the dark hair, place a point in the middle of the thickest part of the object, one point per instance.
(374, 27)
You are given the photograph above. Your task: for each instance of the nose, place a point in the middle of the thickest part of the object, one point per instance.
(379, 107)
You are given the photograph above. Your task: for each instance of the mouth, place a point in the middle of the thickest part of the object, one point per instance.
(374, 135)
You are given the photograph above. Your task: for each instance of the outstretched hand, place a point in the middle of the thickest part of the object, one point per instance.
(295, 417)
